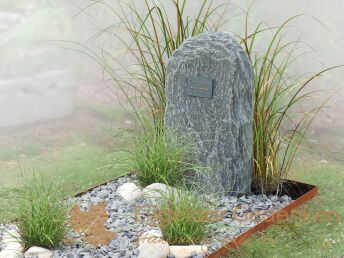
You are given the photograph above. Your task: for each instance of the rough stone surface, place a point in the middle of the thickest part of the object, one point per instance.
(187, 251)
(38, 252)
(154, 250)
(221, 125)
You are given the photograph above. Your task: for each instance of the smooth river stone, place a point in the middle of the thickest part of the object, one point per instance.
(219, 123)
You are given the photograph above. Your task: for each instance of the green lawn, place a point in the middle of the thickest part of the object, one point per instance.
(306, 237)
(76, 167)
(77, 153)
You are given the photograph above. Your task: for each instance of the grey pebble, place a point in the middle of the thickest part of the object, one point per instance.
(95, 200)
(103, 194)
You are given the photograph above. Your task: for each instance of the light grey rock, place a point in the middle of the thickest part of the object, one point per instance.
(120, 243)
(158, 191)
(103, 194)
(6, 253)
(274, 198)
(10, 235)
(122, 252)
(95, 200)
(233, 200)
(221, 125)
(86, 197)
(245, 200)
(85, 255)
(151, 236)
(187, 251)
(112, 254)
(129, 191)
(216, 246)
(12, 246)
(284, 198)
(115, 205)
(38, 252)
(154, 250)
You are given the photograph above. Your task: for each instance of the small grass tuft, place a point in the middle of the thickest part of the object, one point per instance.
(43, 215)
(183, 217)
(161, 158)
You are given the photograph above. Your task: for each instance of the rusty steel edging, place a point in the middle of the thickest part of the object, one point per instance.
(279, 215)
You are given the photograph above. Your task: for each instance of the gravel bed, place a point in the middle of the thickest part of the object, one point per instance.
(240, 214)
(122, 220)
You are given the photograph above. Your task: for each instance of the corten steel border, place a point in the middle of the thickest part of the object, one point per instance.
(279, 215)
(236, 242)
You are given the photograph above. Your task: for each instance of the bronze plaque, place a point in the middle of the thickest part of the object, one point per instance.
(200, 87)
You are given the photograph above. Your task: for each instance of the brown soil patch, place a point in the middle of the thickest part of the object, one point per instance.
(92, 224)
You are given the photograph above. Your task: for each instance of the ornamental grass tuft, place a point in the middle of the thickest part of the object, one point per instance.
(162, 158)
(184, 216)
(278, 128)
(43, 215)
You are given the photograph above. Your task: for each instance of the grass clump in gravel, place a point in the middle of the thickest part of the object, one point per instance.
(183, 217)
(42, 219)
(161, 158)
